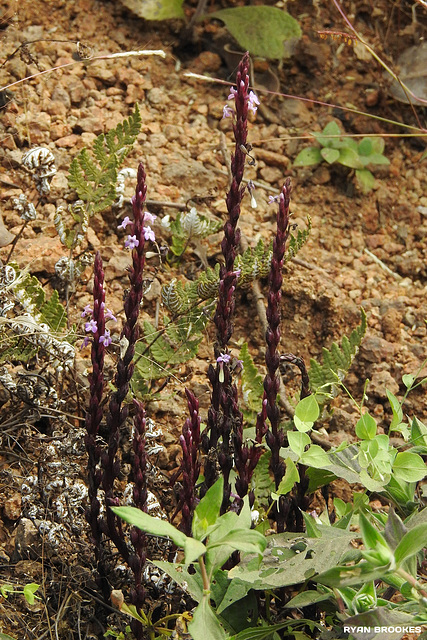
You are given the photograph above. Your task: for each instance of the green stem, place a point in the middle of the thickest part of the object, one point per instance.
(412, 581)
(206, 585)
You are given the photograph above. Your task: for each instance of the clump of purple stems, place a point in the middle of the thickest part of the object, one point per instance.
(222, 442)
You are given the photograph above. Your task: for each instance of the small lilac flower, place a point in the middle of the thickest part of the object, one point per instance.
(272, 199)
(227, 112)
(91, 326)
(251, 189)
(85, 342)
(253, 102)
(109, 315)
(223, 357)
(149, 234)
(132, 242)
(87, 311)
(149, 217)
(105, 339)
(124, 224)
(233, 93)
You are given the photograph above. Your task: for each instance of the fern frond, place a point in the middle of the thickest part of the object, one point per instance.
(252, 381)
(262, 482)
(93, 175)
(296, 243)
(336, 361)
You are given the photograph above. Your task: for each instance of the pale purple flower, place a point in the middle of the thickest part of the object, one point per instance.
(253, 102)
(272, 199)
(227, 112)
(224, 357)
(124, 224)
(106, 339)
(131, 242)
(85, 342)
(232, 94)
(149, 217)
(149, 234)
(251, 189)
(91, 326)
(87, 311)
(109, 315)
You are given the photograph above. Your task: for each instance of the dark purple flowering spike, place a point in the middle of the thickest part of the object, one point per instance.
(274, 437)
(95, 413)
(190, 465)
(138, 557)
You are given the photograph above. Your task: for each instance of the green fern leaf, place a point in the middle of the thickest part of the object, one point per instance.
(262, 482)
(252, 382)
(296, 243)
(53, 313)
(336, 361)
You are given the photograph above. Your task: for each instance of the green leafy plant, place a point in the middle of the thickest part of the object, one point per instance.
(253, 263)
(93, 174)
(336, 149)
(28, 591)
(263, 31)
(189, 226)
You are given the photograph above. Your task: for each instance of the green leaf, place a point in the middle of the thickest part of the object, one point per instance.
(418, 433)
(252, 381)
(370, 535)
(316, 457)
(149, 524)
(330, 155)
(307, 409)
(246, 540)
(366, 427)
(288, 481)
(366, 147)
(331, 129)
(205, 625)
(29, 591)
(263, 31)
(308, 157)
(365, 179)
(298, 441)
(411, 543)
(409, 467)
(307, 598)
(4, 636)
(350, 158)
(396, 409)
(318, 478)
(408, 380)
(207, 511)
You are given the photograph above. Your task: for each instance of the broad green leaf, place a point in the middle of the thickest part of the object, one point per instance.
(377, 158)
(205, 624)
(156, 9)
(408, 380)
(365, 179)
(418, 433)
(307, 409)
(193, 549)
(378, 144)
(4, 636)
(366, 427)
(366, 147)
(208, 510)
(29, 592)
(370, 535)
(191, 583)
(149, 524)
(373, 484)
(249, 541)
(350, 158)
(288, 481)
(411, 543)
(263, 31)
(394, 529)
(268, 632)
(318, 478)
(298, 441)
(331, 129)
(351, 575)
(308, 157)
(316, 457)
(306, 598)
(330, 155)
(409, 467)
(396, 409)
(311, 526)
